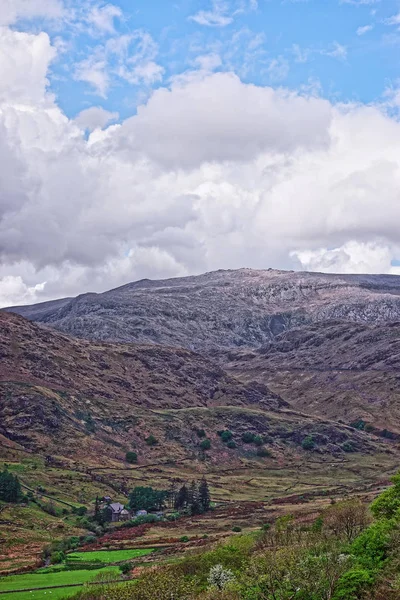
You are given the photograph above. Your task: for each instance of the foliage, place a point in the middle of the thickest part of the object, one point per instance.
(204, 495)
(388, 503)
(248, 437)
(263, 452)
(151, 440)
(126, 568)
(348, 447)
(205, 444)
(226, 435)
(10, 487)
(347, 519)
(231, 445)
(147, 498)
(201, 433)
(353, 583)
(258, 440)
(219, 577)
(308, 443)
(236, 529)
(131, 457)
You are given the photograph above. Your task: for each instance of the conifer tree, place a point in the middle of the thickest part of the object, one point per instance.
(10, 487)
(194, 501)
(204, 495)
(182, 498)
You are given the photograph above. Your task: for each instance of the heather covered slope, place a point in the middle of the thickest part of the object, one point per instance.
(222, 309)
(337, 370)
(94, 402)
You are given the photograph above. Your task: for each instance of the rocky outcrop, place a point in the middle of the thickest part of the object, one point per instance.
(223, 309)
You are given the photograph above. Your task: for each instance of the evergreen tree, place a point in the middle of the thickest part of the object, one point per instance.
(194, 501)
(182, 498)
(204, 495)
(10, 487)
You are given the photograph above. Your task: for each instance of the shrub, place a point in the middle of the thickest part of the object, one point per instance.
(388, 503)
(126, 568)
(151, 440)
(184, 538)
(226, 435)
(220, 577)
(205, 444)
(248, 438)
(359, 424)
(201, 433)
(131, 457)
(263, 452)
(308, 443)
(231, 445)
(353, 583)
(236, 529)
(258, 440)
(79, 510)
(348, 447)
(372, 545)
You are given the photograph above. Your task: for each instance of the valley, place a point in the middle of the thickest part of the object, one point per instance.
(281, 389)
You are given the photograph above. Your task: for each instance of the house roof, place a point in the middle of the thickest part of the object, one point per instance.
(116, 507)
(124, 512)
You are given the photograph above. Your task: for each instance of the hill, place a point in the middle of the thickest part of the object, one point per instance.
(337, 370)
(222, 309)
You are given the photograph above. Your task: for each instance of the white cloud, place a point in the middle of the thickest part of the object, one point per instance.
(352, 257)
(394, 20)
(102, 17)
(13, 10)
(210, 173)
(95, 117)
(278, 69)
(338, 51)
(365, 29)
(218, 16)
(130, 57)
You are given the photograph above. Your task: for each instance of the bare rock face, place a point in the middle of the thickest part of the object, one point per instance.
(222, 309)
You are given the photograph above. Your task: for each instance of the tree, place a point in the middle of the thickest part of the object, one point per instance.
(248, 437)
(131, 457)
(308, 443)
(182, 498)
(204, 495)
(10, 487)
(205, 444)
(388, 503)
(347, 518)
(194, 500)
(146, 498)
(226, 435)
(151, 440)
(219, 577)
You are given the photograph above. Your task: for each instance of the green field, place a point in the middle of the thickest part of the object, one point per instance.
(35, 580)
(107, 556)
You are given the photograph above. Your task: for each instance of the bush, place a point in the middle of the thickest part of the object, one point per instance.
(184, 538)
(226, 435)
(201, 433)
(348, 447)
(263, 452)
(151, 440)
(372, 545)
(125, 568)
(79, 510)
(248, 438)
(205, 444)
(258, 440)
(131, 457)
(388, 503)
(236, 529)
(308, 443)
(353, 583)
(231, 445)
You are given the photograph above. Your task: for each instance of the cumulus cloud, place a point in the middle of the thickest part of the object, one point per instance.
(95, 117)
(210, 173)
(364, 29)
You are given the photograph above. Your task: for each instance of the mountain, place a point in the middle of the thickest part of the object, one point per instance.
(339, 370)
(222, 309)
(94, 401)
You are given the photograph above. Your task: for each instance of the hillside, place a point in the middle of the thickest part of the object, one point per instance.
(222, 309)
(338, 370)
(103, 400)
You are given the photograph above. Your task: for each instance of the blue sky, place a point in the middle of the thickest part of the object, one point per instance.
(347, 50)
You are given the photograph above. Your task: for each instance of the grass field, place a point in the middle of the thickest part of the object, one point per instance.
(108, 556)
(29, 581)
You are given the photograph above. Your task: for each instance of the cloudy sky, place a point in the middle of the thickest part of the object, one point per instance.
(159, 138)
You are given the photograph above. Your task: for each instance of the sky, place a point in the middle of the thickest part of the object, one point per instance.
(153, 139)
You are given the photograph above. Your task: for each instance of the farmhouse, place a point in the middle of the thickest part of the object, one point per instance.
(118, 512)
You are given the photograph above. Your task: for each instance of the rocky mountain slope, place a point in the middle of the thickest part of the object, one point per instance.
(93, 402)
(338, 370)
(223, 309)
